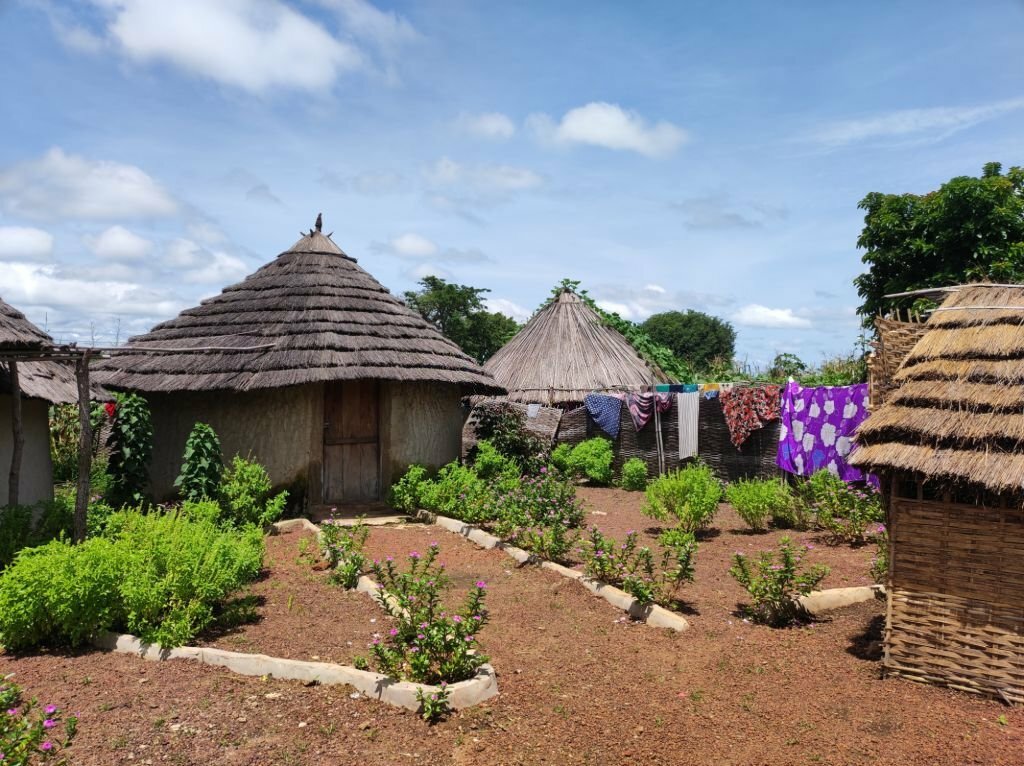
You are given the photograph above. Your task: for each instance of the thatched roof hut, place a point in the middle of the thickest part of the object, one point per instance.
(40, 384)
(949, 443)
(566, 352)
(311, 365)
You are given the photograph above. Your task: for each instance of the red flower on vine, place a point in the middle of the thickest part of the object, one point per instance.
(111, 408)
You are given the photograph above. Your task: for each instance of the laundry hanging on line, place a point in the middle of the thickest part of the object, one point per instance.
(605, 411)
(688, 409)
(817, 431)
(641, 407)
(748, 409)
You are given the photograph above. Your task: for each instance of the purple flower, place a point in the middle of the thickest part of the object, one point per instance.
(414, 649)
(50, 709)
(420, 636)
(468, 639)
(477, 617)
(423, 624)
(414, 555)
(481, 584)
(543, 469)
(49, 723)
(46, 746)
(390, 558)
(456, 618)
(433, 544)
(393, 632)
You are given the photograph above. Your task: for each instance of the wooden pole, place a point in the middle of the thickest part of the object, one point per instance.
(84, 447)
(14, 478)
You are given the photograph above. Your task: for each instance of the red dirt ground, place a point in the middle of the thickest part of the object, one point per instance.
(578, 684)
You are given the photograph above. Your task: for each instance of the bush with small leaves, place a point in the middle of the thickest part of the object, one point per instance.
(759, 500)
(435, 705)
(245, 495)
(847, 513)
(342, 546)
(202, 465)
(406, 493)
(688, 496)
(560, 457)
(540, 515)
(775, 580)
(31, 733)
(592, 459)
(634, 475)
(880, 563)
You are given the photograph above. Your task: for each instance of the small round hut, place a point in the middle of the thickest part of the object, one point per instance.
(564, 353)
(948, 444)
(314, 369)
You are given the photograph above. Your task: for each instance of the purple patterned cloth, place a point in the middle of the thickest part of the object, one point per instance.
(641, 407)
(817, 429)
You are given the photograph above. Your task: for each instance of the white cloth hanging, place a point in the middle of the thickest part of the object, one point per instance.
(688, 407)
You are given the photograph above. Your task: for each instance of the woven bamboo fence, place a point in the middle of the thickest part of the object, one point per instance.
(895, 341)
(956, 597)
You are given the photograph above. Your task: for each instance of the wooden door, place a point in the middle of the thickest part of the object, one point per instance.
(351, 442)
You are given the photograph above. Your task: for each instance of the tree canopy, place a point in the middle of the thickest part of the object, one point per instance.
(970, 229)
(459, 312)
(693, 336)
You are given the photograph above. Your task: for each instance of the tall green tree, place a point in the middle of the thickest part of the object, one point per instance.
(969, 229)
(698, 338)
(459, 312)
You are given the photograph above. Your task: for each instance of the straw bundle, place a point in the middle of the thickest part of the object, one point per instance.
(310, 315)
(566, 352)
(958, 413)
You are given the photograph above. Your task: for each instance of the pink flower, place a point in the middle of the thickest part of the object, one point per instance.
(468, 639)
(393, 632)
(50, 709)
(49, 723)
(481, 584)
(414, 555)
(456, 618)
(46, 746)
(12, 711)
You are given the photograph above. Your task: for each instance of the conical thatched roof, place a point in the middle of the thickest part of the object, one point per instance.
(566, 352)
(52, 381)
(310, 315)
(958, 411)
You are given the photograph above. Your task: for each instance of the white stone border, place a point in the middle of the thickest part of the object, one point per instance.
(652, 614)
(818, 601)
(382, 688)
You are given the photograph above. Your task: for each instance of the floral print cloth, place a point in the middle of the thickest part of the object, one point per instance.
(748, 408)
(817, 429)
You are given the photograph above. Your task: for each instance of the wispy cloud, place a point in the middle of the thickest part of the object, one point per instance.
(25, 243)
(612, 127)
(490, 125)
(412, 246)
(756, 315)
(119, 244)
(717, 211)
(935, 123)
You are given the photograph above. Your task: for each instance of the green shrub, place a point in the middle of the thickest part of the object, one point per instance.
(458, 492)
(593, 459)
(759, 500)
(632, 567)
(688, 496)
(29, 526)
(202, 465)
(492, 466)
(131, 447)
(245, 495)
(540, 514)
(204, 510)
(880, 563)
(848, 514)
(406, 493)
(343, 548)
(505, 428)
(65, 433)
(560, 457)
(775, 581)
(634, 475)
(159, 576)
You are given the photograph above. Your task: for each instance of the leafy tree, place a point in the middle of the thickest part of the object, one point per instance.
(459, 312)
(697, 337)
(969, 229)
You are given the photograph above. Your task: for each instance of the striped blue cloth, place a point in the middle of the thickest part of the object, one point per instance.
(605, 412)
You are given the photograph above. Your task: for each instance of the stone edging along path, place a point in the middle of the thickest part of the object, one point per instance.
(815, 602)
(463, 694)
(652, 614)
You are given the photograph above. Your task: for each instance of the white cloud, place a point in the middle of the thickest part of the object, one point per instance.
(609, 125)
(255, 46)
(655, 289)
(482, 178)
(637, 304)
(508, 308)
(197, 265)
(119, 244)
(413, 246)
(60, 185)
(386, 29)
(428, 270)
(25, 243)
(492, 125)
(43, 286)
(623, 310)
(756, 315)
(938, 121)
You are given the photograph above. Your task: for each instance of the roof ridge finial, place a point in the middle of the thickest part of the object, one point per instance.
(319, 222)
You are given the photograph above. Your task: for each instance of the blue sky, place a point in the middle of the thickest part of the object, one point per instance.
(670, 155)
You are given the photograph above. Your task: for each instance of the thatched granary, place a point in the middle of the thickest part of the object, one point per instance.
(42, 383)
(949, 445)
(311, 366)
(566, 352)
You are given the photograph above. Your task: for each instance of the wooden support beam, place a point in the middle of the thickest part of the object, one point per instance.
(84, 448)
(14, 479)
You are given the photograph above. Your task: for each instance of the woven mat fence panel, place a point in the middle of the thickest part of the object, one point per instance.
(755, 459)
(895, 341)
(573, 427)
(544, 424)
(957, 597)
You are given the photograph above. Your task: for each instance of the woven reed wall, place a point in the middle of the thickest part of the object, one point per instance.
(895, 341)
(956, 603)
(755, 459)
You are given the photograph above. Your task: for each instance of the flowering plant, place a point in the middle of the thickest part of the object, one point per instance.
(632, 567)
(539, 514)
(343, 548)
(30, 733)
(880, 563)
(775, 580)
(427, 644)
